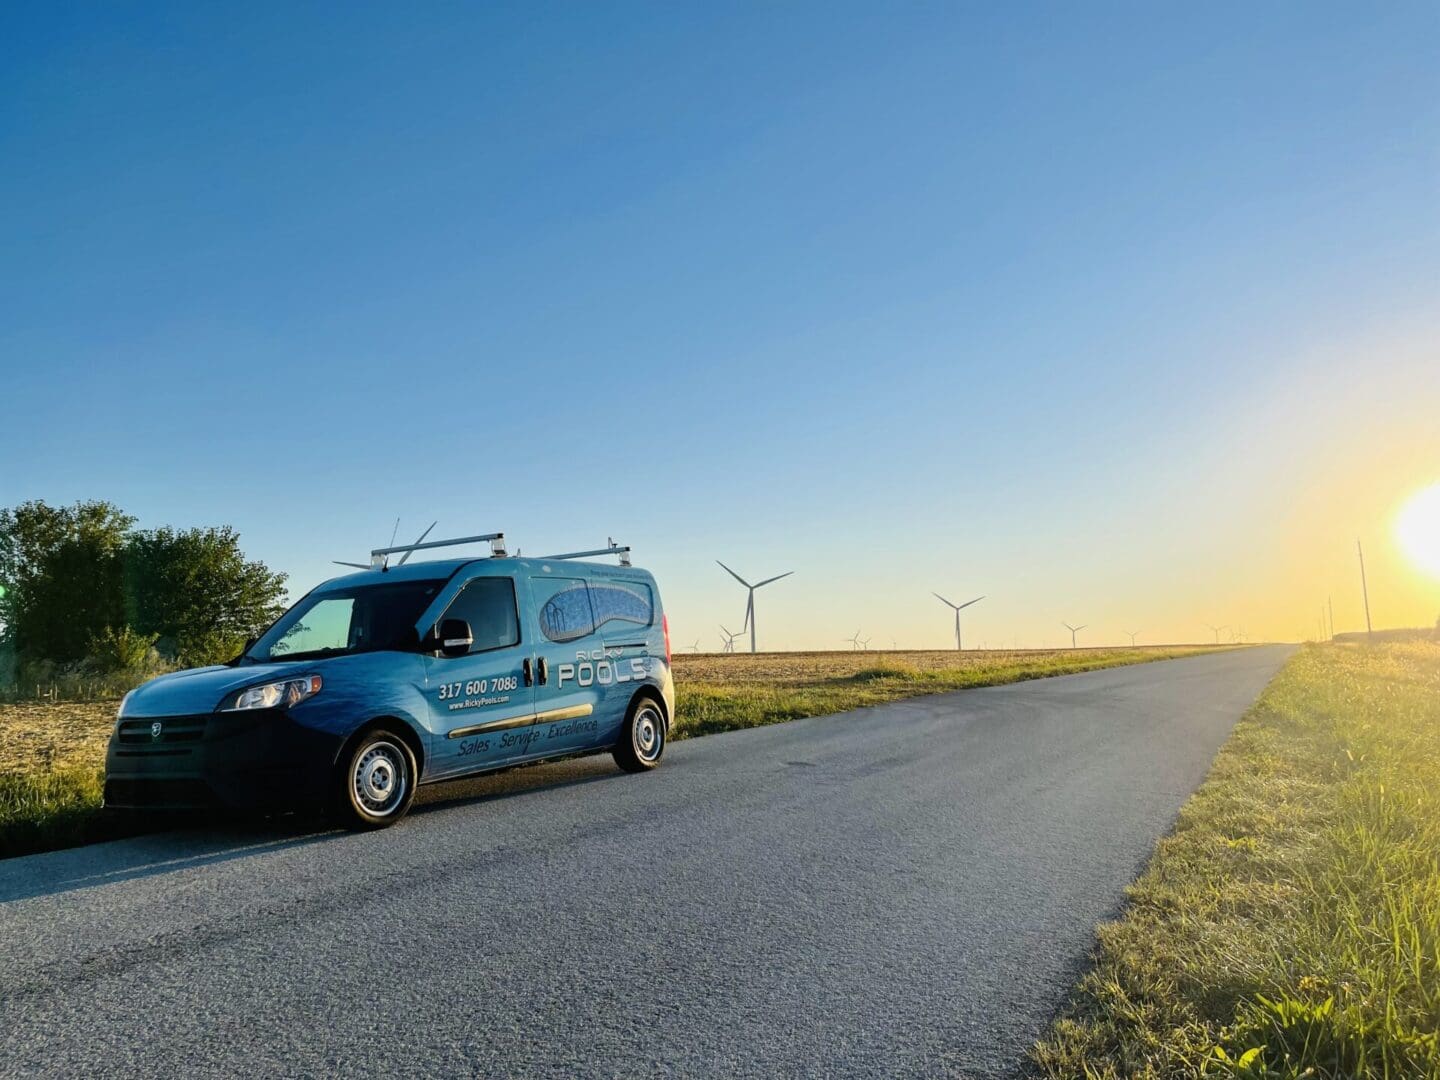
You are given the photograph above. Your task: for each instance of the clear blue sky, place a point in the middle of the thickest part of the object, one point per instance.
(1080, 306)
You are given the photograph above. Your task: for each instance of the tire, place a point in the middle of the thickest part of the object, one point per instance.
(375, 783)
(642, 739)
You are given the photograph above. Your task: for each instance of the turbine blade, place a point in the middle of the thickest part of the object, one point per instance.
(732, 573)
(969, 602)
(419, 541)
(777, 577)
(944, 601)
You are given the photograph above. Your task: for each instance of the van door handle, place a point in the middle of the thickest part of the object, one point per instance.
(544, 671)
(528, 671)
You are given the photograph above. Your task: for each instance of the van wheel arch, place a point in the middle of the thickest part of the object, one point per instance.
(390, 723)
(654, 695)
(644, 733)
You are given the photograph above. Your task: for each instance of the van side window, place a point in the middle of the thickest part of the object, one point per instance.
(564, 606)
(488, 605)
(622, 602)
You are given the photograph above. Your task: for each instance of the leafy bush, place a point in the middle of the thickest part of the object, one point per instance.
(122, 651)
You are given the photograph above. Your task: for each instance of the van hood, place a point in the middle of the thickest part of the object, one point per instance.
(200, 690)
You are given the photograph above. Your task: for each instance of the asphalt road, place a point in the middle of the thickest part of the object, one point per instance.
(905, 890)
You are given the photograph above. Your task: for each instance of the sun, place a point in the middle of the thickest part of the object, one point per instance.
(1417, 527)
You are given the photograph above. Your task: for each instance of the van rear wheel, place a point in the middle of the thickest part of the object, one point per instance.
(375, 783)
(642, 740)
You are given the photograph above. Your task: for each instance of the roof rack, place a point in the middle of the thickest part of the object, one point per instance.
(611, 548)
(379, 556)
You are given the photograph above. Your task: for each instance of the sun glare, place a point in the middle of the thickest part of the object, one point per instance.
(1418, 529)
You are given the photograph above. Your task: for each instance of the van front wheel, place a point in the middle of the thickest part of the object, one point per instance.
(375, 783)
(642, 740)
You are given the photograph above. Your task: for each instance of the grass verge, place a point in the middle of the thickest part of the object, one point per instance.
(52, 755)
(48, 808)
(1290, 925)
(717, 694)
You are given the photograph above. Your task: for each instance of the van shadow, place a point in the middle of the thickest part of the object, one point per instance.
(210, 839)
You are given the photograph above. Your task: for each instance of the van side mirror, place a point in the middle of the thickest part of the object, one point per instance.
(455, 637)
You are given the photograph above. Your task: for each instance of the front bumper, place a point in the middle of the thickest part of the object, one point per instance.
(253, 760)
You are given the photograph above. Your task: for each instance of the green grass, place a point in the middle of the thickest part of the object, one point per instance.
(705, 706)
(43, 809)
(1290, 925)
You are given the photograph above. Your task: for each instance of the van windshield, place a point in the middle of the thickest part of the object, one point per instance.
(364, 618)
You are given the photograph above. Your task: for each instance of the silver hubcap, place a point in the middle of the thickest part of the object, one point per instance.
(380, 779)
(649, 734)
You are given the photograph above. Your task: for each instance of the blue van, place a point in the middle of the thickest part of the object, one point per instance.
(379, 681)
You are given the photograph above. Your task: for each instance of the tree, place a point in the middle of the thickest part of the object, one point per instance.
(59, 569)
(80, 581)
(196, 591)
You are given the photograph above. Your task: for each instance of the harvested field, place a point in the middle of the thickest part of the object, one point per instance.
(52, 735)
(52, 753)
(802, 668)
(722, 692)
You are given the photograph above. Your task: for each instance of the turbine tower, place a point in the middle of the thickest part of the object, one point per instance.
(750, 602)
(958, 608)
(1073, 631)
(1216, 630)
(1133, 635)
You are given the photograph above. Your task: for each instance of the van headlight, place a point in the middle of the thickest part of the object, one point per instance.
(273, 695)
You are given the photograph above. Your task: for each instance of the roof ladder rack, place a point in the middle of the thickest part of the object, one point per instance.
(611, 549)
(497, 547)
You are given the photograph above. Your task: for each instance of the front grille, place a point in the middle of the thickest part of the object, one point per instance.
(138, 736)
(158, 793)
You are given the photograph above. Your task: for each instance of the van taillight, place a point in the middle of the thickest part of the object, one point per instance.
(665, 625)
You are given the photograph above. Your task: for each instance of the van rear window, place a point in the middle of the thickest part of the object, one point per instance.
(573, 610)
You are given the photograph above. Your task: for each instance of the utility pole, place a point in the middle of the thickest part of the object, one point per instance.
(1330, 606)
(1364, 591)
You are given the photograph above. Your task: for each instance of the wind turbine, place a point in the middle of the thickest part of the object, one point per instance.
(750, 603)
(864, 643)
(1133, 634)
(729, 639)
(958, 608)
(696, 647)
(385, 562)
(1073, 631)
(854, 641)
(1216, 630)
